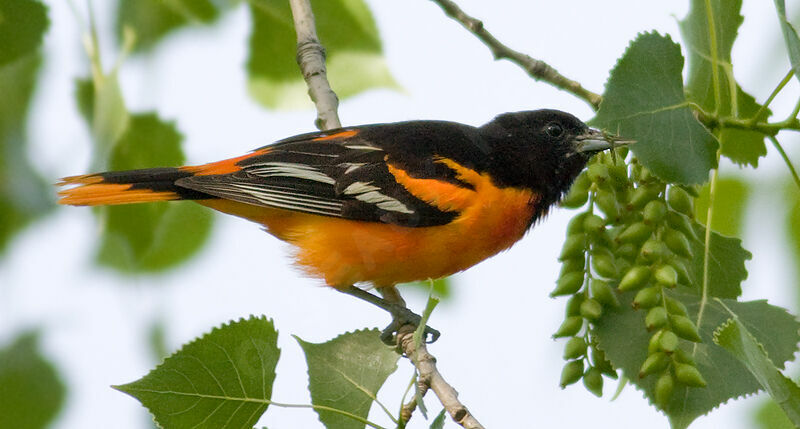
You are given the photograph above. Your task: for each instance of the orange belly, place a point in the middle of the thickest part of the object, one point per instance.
(344, 252)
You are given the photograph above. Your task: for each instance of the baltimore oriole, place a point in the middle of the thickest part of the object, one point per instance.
(383, 203)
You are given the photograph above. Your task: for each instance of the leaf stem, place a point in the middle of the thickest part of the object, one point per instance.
(277, 404)
(707, 241)
(732, 88)
(419, 333)
(712, 41)
(536, 69)
(407, 408)
(325, 408)
(795, 111)
(712, 121)
(786, 160)
(772, 96)
(380, 404)
(90, 42)
(766, 128)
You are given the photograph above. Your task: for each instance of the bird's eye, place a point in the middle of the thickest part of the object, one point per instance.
(554, 130)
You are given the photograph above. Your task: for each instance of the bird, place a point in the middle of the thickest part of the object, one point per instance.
(381, 204)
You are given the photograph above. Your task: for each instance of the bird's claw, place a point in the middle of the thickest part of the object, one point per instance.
(402, 316)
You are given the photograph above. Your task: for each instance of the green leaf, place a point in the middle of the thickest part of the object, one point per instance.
(644, 101)
(347, 31)
(223, 379)
(741, 146)
(419, 333)
(730, 202)
(155, 236)
(146, 237)
(442, 288)
(793, 225)
(24, 194)
(438, 422)
(735, 338)
(152, 20)
(726, 270)
(22, 27)
(790, 37)
(102, 106)
(623, 337)
(345, 374)
(31, 390)
(156, 339)
(146, 142)
(770, 416)
(110, 117)
(84, 98)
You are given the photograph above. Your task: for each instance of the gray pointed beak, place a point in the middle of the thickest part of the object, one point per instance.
(596, 141)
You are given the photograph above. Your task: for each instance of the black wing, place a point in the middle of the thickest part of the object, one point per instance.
(344, 173)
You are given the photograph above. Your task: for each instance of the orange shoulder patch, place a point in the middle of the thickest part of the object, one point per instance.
(444, 196)
(226, 166)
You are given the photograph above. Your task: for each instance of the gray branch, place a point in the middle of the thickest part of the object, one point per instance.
(311, 59)
(429, 377)
(536, 69)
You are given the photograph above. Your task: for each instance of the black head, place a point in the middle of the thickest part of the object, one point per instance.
(542, 150)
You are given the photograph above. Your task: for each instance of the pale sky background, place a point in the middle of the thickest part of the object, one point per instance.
(495, 346)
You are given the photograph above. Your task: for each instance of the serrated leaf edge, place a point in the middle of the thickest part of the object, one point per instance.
(791, 358)
(636, 387)
(663, 412)
(376, 330)
(625, 51)
(230, 322)
(369, 394)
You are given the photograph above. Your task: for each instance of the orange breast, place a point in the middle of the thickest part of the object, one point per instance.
(343, 252)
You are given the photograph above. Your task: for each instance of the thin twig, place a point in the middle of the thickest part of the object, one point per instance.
(429, 376)
(409, 407)
(766, 128)
(311, 59)
(786, 160)
(795, 112)
(765, 106)
(537, 69)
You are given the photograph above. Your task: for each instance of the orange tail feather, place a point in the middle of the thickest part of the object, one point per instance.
(125, 187)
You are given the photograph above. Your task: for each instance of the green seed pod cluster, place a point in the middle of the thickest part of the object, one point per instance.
(593, 380)
(572, 372)
(579, 192)
(663, 390)
(591, 267)
(585, 361)
(680, 201)
(634, 236)
(665, 359)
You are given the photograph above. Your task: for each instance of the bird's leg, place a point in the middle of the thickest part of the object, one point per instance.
(396, 306)
(391, 294)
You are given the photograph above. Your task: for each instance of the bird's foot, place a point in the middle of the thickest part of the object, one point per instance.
(403, 316)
